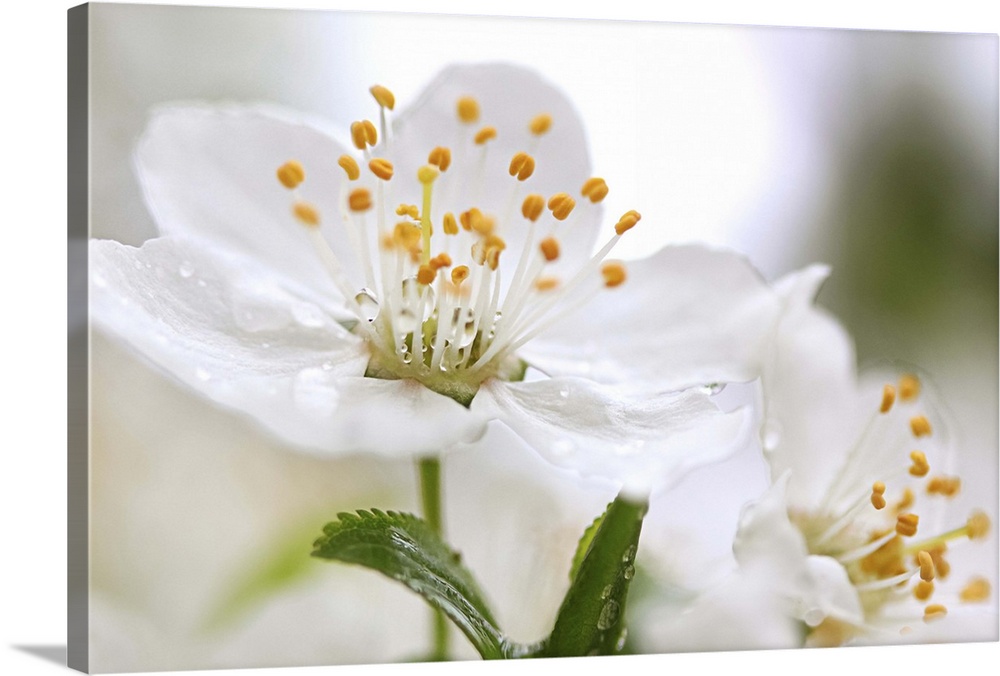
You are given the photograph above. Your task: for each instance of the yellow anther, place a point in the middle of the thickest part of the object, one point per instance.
(540, 124)
(493, 257)
(941, 567)
(459, 274)
(522, 165)
(920, 426)
(442, 260)
(550, 248)
(532, 207)
(888, 398)
(935, 611)
(947, 486)
(383, 96)
(381, 168)
(613, 273)
(878, 491)
(495, 242)
(920, 466)
(363, 134)
(909, 387)
(440, 157)
(485, 134)
(627, 221)
(977, 590)
(926, 564)
(306, 213)
(905, 502)
(408, 210)
(561, 205)
(468, 109)
(350, 167)
(291, 174)
(406, 235)
(595, 189)
(978, 525)
(546, 283)
(887, 560)
(923, 590)
(426, 174)
(906, 524)
(426, 274)
(450, 224)
(359, 200)
(473, 219)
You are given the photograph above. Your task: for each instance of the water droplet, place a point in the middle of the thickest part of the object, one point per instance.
(629, 555)
(202, 375)
(265, 345)
(620, 644)
(771, 434)
(368, 303)
(629, 572)
(564, 392)
(714, 388)
(429, 298)
(186, 269)
(606, 592)
(308, 315)
(202, 283)
(609, 615)
(327, 366)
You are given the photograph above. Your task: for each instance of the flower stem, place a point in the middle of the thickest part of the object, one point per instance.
(430, 499)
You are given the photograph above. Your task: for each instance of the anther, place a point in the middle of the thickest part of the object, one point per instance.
(306, 213)
(291, 174)
(909, 387)
(363, 134)
(923, 590)
(935, 611)
(472, 219)
(359, 200)
(406, 235)
(383, 96)
(493, 257)
(426, 274)
(613, 273)
(381, 168)
(350, 167)
(459, 274)
(920, 426)
(888, 398)
(926, 564)
(627, 221)
(440, 157)
(561, 205)
(920, 466)
(977, 590)
(408, 210)
(941, 567)
(978, 526)
(595, 189)
(468, 109)
(450, 225)
(905, 502)
(878, 498)
(442, 260)
(540, 124)
(546, 283)
(906, 524)
(485, 134)
(947, 486)
(532, 207)
(550, 248)
(522, 165)
(426, 174)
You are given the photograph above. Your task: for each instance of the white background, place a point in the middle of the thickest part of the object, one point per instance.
(33, 550)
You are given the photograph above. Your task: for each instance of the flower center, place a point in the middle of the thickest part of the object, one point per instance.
(434, 306)
(880, 542)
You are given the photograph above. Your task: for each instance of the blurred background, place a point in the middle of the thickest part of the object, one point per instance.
(872, 151)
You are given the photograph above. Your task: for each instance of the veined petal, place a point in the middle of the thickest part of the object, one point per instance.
(643, 440)
(687, 315)
(210, 173)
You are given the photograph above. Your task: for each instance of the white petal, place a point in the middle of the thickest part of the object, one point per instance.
(766, 540)
(686, 315)
(809, 391)
(643, 440)
(830, 593)
(210, 173)
(509, 97)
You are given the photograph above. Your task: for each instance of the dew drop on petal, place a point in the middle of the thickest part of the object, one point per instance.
(308, 315)
(771, 434)
(368, 303)
(406, 321)
(202, 283)
(609, 615)
(202, 375)
(313, 391)
(186, 269)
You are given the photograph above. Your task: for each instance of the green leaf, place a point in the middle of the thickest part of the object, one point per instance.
(406, 549)
(583, 546)
(591, 619)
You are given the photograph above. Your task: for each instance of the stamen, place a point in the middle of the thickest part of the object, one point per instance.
(941, 567)
(977, 590)
(540, 124)
(408, 210)
(926, 564)
(920, 426)
(905, 502)
(550, 248)
(442, 260)
(920, 466)
(947, 486)
(426, 175)
(546, 283)
(468, 109)
(350, 167)
(978, 525)
(440, 157)
(406, 236)
(522, 165)
(594, 189)
(426, 274)
(459, 274)
(450, 225)
(381, 168)
(383, 96)
(291, 174)
(888, 398)
(359, 200)
(923, 590)
(363, 134)
(878, 491)
(532, 207)
(306, 213)
(627, 222)
(485, 134)
(613, 273)
(909, 387)
(906, 524)
(561, 205)
(935, 611)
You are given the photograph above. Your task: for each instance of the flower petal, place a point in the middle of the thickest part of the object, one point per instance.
(643, 440)
(688, 315)
(210, 173)
(509, 98)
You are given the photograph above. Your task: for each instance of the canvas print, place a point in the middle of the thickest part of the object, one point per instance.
(420, 337)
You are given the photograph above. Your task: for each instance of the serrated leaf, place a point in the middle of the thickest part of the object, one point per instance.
(406, 549)
(583, 546)
(591, 619)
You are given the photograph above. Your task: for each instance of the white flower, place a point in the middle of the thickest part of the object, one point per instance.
(855, 530)
(392, 297)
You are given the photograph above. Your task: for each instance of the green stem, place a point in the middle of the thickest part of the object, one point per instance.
(430, 500)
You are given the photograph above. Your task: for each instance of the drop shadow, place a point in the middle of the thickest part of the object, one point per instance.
(50, 653)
